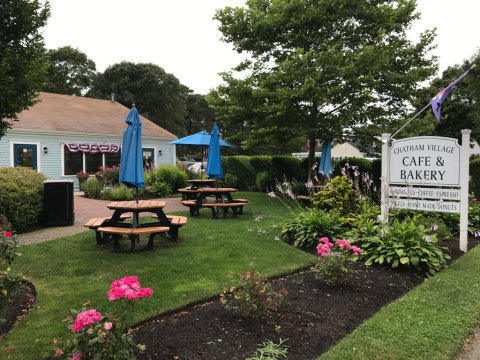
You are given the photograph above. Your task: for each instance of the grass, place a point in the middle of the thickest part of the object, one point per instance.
(71, 271)
(430, 322)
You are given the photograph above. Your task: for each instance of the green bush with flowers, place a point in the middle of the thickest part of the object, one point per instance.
(105, 337)
(334, 260)
(10, 280)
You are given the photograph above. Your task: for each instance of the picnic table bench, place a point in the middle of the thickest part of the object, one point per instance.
(105, 227)
(236, 207)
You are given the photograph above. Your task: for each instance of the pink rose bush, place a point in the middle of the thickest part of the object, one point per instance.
(128, 288)
(335, 259)
(105, 337)
(85, 319)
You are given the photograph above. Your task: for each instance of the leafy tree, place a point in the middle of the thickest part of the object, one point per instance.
(159, 96)
(317, 67)
(199, 115)
(70, 71)
(22, 56)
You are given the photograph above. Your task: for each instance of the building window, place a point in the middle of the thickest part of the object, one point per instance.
(93, 162)
(112, 159)
(73, 161)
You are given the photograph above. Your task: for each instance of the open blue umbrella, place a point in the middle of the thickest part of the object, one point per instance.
(131, 161)
(201, 138)
(214, 163)
(325, 167)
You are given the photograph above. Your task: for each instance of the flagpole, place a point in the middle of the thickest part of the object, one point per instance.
(408, 122)
(441, 95)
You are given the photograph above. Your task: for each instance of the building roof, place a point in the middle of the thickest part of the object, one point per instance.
(77, 114)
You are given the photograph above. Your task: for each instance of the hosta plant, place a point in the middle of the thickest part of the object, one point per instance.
(403, 243)
(307, 227)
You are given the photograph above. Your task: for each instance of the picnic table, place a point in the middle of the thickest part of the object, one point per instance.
(199, 183)
(222, 199)
(116, 225)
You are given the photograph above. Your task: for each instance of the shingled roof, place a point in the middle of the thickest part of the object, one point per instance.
(77, 114)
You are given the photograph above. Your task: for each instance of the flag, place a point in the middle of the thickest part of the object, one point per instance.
(438, 99)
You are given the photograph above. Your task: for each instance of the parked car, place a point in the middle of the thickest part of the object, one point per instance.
(186, 162)
(197, 167)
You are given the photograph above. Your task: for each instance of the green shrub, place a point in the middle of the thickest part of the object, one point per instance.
(474, 185)
(240, 167)
(92, 188)
(230, 180)
(118, 193)
(254, 298)
(305, 230)
(339, 196)
(264, 181)
(287, 167)
(166, 177)
(403, 243)
(160, 188)
(21, 196)
(332, 268)
(108, 176)
(9, 279)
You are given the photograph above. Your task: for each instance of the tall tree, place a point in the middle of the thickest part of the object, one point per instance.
(159, 96)
(321, 66)
(199, 115)
(22, 56)
(70, 71)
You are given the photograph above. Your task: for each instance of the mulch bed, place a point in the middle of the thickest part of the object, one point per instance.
(313, 317)
(15, 306)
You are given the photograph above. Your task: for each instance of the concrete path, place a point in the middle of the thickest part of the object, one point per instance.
(84, 209)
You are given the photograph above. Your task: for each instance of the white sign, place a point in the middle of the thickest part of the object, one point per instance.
(424, 193)
(425, 205)
(425, 160)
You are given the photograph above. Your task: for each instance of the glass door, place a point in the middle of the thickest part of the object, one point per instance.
(25, 155)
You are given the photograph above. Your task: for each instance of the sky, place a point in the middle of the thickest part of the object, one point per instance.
(181, 37)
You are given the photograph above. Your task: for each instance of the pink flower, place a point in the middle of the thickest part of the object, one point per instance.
(343, 244)
(77, 356)
(128, 288)
(356, 250)
(58, 353)
(7, 234)
(85, 319)
(107, 325)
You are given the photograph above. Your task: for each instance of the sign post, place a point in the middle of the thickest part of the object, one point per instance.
(427, 173)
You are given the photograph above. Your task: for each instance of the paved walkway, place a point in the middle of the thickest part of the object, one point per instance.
(84, 209)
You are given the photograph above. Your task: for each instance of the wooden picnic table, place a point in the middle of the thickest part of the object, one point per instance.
(122, 209)
(200, 183)
(222, 199)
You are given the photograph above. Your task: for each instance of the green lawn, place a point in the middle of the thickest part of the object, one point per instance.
(430, 322)
(70, 271)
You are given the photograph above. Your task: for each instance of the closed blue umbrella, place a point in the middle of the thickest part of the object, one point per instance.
(325, 167)
(214, 163)
(131, 161)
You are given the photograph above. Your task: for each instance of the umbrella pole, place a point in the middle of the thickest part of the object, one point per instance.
(136, 195)
(201, 166)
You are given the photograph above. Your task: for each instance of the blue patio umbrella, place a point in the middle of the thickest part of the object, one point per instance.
(214, 163)
(325, 167)
(201, 138)
(131, 160)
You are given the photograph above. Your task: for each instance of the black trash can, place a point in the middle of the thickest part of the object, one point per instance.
(58, 202)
